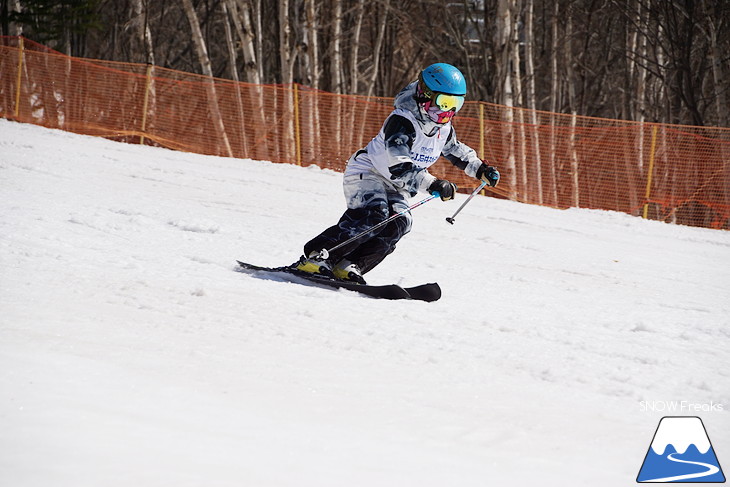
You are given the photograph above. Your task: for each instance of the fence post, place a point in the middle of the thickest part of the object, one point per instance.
(481, 130)
(652, 152)
(146, 102)
(297, 138)
(481, 136)
(18, 78)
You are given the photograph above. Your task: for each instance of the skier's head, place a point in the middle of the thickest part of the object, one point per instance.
(440, 92)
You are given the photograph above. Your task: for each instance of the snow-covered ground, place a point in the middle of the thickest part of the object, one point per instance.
(131, 353)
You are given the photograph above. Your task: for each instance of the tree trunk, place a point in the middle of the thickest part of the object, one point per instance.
(503, 35)
(718, 77)
(204, 60)
(382, 23)
(141, 11)
(504, 93)
(531, 97)
(241, 18)
(571, 80)
(335, 74)
(233, 68)
(641, 71)
(145, 36)
(312, 37)
(312, 54)
(198, 41)
(517, 93)
(259, 41)
(354, 77)
(286, 61)
(336, 54)
(232, 59)
(554, 97)
(286, 58)
(15, 29)
(631, 53)
(639, 104)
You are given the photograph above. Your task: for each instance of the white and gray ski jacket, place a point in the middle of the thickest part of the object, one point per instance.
(409, 143)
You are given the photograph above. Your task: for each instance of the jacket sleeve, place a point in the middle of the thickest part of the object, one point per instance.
(399, 134)
(461, 155)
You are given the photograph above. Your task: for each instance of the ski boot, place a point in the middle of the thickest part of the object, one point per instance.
(347, 271)
(314, 264)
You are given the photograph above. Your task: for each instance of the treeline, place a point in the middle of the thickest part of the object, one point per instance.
(645, 60)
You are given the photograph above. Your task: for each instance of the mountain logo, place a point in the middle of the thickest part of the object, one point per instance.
(681, 452)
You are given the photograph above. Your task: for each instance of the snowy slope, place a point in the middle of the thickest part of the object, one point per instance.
(131, 353)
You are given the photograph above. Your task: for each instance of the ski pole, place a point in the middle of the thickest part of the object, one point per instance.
(325, 253)
(451, 218)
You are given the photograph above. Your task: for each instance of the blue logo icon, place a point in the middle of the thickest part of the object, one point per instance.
(681, 452)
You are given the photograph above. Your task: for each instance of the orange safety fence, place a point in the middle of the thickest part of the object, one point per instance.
(673, 173)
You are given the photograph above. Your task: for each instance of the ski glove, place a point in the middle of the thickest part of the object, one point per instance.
(488, 173)
(444, 188)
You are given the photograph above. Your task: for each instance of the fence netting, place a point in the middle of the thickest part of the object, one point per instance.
(672, 173)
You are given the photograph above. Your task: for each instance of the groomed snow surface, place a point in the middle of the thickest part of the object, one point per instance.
(132, 353)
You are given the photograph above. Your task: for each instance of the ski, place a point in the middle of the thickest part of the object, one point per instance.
(425, 292)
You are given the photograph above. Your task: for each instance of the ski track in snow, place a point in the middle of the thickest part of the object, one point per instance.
(132, 353)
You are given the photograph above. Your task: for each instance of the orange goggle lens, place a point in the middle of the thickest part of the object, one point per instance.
(448, 102)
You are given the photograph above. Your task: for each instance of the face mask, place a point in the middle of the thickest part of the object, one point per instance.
(438, 115)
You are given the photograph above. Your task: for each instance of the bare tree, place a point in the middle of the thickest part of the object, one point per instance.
(354, 56)
(570, 74)
(336, 49)
(205, 64)
(554, 96)
(382, 23)
(311, 44)
(530, 95)
(241, 18)
(504, 41)
(143, 29)
(717, 24)
(286, 53)
(661, 61)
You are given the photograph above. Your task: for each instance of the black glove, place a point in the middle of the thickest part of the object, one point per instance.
(444, 188)
(488, 173)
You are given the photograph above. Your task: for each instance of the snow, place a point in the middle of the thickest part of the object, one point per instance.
(131, 353)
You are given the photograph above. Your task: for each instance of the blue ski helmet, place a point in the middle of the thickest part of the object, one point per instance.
(440, 92)
(443, 78)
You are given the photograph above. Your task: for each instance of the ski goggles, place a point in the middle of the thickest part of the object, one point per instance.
(446, 102)
(443, 101)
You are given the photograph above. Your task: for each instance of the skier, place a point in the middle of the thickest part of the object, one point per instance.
(392, 167)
